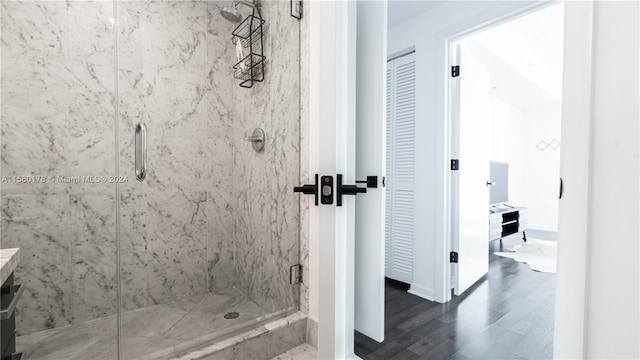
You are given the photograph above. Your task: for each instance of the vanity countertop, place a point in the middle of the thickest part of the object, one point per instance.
(9, 259)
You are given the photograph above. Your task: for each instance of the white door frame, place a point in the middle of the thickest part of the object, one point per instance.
(331, 125)
(573, 230)
(443, 282)
(571, 278)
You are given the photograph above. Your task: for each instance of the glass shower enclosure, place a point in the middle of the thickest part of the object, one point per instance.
(117, 267)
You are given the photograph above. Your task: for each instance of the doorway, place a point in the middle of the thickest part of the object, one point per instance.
(506, 107)
(402, 330)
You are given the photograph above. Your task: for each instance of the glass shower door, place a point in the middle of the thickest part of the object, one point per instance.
(209, 235)
(58, 192)
(169, 219)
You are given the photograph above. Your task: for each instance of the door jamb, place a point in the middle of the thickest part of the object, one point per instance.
(331, 122)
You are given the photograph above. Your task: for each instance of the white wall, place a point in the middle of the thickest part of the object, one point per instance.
(541, 167)
(533, 173)
(506, 119)
(507, 135)
(613, 282)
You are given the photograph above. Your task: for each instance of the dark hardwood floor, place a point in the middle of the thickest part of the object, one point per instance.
(508, 314)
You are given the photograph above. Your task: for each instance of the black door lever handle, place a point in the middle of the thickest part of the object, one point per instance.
(372, 182)
(309, 189)
(305, 189)
(346, 190)
(352, 190)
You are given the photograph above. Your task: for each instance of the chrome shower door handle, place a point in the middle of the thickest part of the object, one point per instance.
(141, 151)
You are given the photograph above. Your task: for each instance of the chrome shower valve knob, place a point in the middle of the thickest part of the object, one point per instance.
(257, 139)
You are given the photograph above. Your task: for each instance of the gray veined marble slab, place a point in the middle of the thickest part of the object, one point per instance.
(251, 344)
(9, 259)
(302, 352)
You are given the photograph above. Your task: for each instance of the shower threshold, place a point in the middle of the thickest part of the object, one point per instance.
(160, 328)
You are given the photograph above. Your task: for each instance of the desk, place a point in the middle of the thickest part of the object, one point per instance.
(505, 220)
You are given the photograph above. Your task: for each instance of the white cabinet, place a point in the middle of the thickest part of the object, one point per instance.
(504, 221)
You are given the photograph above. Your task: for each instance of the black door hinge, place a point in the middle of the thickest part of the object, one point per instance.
(453, 257)
(455, 71)
(455, 164)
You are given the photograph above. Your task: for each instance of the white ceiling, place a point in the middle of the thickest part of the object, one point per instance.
(507, 83)
(524, 57)
(400, 11)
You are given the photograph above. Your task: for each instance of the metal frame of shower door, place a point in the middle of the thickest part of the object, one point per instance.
(117, 196)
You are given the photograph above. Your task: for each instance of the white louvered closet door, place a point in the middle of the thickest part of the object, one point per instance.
(400, 161)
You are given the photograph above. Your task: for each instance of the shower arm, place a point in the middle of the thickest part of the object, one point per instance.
(252, 4)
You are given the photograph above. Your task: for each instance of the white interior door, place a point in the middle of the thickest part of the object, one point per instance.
(400, 168)
(370, 158)
(473, 130)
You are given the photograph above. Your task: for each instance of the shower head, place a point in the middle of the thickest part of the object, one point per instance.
(232, 14)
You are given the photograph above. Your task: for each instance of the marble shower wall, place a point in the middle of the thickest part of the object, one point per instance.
(57, 93)
(58, 118)
(268, 215)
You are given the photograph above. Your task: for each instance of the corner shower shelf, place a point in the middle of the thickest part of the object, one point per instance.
(251, 68)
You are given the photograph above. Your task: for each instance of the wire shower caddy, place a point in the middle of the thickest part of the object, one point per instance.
(250, 35)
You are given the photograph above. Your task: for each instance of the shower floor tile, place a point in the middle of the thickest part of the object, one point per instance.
(193, 324)
(144, 331)
(149, 322)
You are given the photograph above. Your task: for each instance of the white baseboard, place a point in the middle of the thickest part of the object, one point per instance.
(422, 291)
(543, 228)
